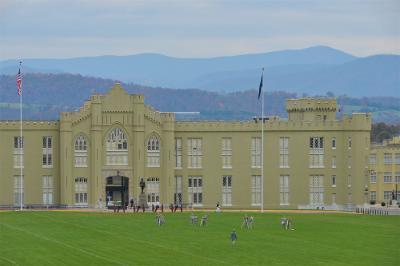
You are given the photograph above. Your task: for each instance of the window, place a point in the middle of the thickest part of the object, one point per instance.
(349, 181)
(387, 177)
(81, 196)
(316, 153)
(256, 190)
(178, 153)
(349, 161)
(372, 195)
(387, 158)
(18, 190)
(333, 180)
(47, 161)
(349, 198)
(397, 178)
(153, 190)
(316, 190)
(178, 190)
(153, 152)
(397, 158)
(18, 152)
(349, 143)
(226, 153)
(372, 177)
(333, 198)
(194, 153)
(256, 152)
(116, 148)
(333, 143)
(372, 159)
(284, 190)
(227, 190)
(284, 152)
(81, 152)
(195, 190)
(333, 161)
(47, 190)
(387, 195)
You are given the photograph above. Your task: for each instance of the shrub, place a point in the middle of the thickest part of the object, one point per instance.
(383, 204)
(372, 202)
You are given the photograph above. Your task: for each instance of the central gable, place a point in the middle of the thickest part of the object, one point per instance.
(117, 100)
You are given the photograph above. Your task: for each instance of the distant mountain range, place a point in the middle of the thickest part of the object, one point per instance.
(314, 70)
(46, 95)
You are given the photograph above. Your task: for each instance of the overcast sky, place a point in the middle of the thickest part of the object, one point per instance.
(74, 28)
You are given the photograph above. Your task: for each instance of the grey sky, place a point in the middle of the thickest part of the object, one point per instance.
(59, 29)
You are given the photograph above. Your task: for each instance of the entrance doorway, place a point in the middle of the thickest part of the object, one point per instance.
(117, 191)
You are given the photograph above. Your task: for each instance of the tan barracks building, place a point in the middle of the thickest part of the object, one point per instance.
(98, 155)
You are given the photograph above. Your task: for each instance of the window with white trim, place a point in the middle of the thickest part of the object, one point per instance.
(316, 153)
(387, 177)
(153, 152)
(349, 198)
(333, 161)
(47, 161)
(81, 191)
(372, 195)
(372, 177)
(349, 161)
(372, 159)
(18, 152)
(256, 152)
(387, 158)
(284, 152)
(153, 190)
(195, 190)
(226, 153)
(387, 195)
(284, 190)
(178, 153)
(397, 178)
(18, 190)
(349, 181)
(333, 198)
(227, 190)
(178, 190)
(116, 147)
(256, 190)
(349, 142)
(397, 158)
(333, 180)
(47, 190)
(81, 152)
(316, 190)
(195, 154)
(333, 143)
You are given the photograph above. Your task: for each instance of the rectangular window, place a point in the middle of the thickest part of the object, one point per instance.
(284, 152)
(333, 143)
(333, 198)
(226, 153)
(387, 195)
(47, 161)
(195, 154)
(153, 190)
(284, 190)
(397, 179)
(349, 161)
(397, 158)
(18, 190)
(372, 195)
(178, 153)
(227, 190)
(81, 189)
(316, 152)
(47, 190)
(255, 190)
(372, 159)
(316, 190)
(178, 190)
(256, 152)
(387, 177)
(387, 158)
(18, 152)
(372, 177)
(195, 190)
(333, 180)
(349, 181)
(333, 161)
(349, 142)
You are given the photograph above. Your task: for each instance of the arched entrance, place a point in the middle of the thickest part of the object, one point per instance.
(117, 191)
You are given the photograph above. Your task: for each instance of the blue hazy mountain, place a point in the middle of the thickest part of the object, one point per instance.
(313, 70)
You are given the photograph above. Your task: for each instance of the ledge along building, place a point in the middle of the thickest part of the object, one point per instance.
(98, 155)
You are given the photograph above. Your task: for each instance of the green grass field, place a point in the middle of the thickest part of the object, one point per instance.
(83, 238)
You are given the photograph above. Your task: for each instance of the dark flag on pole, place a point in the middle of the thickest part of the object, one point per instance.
(261, 84)
(19, 82)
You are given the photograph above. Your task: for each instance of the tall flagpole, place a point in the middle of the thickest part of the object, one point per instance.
(262, 145)
(21, 139)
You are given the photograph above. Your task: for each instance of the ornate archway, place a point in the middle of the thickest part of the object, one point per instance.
(117, 191)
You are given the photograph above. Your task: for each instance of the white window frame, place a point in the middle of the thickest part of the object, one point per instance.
(48, 187)
(372, 196)
(255, 190)
(116, 147)
(18, 152)
(387, 158)
(178, 153)
(334, 180)
(333, 143)
(81, 191)
(372, 177)
(349, 143)
(333, 161)
(316, 152)
(226, 153)
(195, 154)
(153, 152)
(178, 195)
(227, 190)
(284, 190)
(372, 158)
(256, 152)
(316, 190)
(195, 191)
(284, 152)
(81, 152)
(18, 190)
(387, 178)
(153, 190)
(397, 158)
(47, 151)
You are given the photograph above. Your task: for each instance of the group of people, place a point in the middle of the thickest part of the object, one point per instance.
(287, 223)
(248, 222)
(194, 220)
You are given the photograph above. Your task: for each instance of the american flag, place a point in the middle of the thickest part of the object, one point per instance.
(19, 82)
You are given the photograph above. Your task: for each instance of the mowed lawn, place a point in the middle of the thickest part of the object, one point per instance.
(84, 238)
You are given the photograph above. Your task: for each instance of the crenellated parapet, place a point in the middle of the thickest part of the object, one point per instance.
(29, 125)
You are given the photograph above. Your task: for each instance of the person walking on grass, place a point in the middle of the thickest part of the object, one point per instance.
(233, 237)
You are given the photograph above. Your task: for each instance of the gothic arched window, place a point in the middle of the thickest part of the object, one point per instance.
(116, 147)
(153, 152)
(81, 151)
